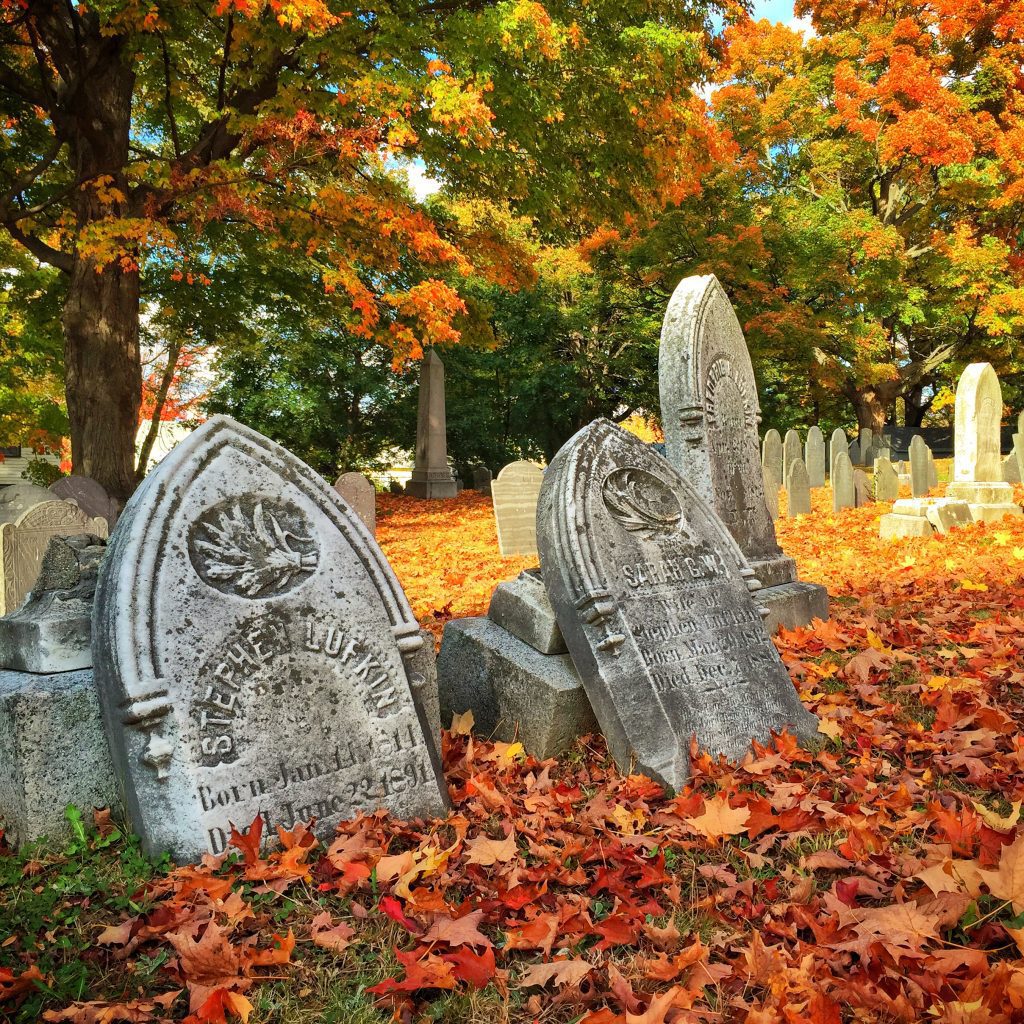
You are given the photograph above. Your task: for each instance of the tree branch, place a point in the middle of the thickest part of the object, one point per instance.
(42, 252)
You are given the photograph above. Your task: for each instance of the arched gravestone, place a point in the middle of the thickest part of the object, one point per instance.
(843, 491)
(837, 443)
(514, 494)
(24, 540)
(710, 414)
(249, 640)
(89, 496)
(798, 490)
(792, 449)
(814, 457)
(652, 595)
(361, 496)
(771, 453)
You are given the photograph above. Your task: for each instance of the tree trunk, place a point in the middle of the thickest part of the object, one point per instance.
(103, 368)
(872, 403)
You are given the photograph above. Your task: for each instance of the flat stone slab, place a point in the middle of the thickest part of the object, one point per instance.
(514, 692)
(653, 597)
(948, 514)
(251, 647)
(893, 526)
(521, 607)
(55, 753)
(792, 604)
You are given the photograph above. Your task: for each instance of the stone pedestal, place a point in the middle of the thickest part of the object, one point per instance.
(54, 753)
(988, 502)
(923, 517)
(792, 604)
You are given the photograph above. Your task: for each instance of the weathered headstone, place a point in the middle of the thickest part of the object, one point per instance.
(977, 464)
(947, 514)
(431, 476)
(23, 542)
(866, 440)
(89, 496)
(855, 453)
(861, 488)
(843, 495)
(887, 481)
(798, 490)
(1011, 470)
(771, 453)
(933, 471)
(482, 479)
(710, 415)
(514, 493)
(52, 630)
(771, 492)
(918, 467)
(361, 496)
(814, 456)
(837, 443)
(792, 449)
(18, 498)
(248, 646)
(652, 595)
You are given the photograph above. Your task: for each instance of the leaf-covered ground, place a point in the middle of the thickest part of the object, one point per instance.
(880, 878)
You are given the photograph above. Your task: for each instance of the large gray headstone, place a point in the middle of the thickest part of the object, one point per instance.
(771, 453)
(792, 449)
(249, 640)
(432, 477)
(652, 595)
(843, 495)
(814, 456)
(837, 443)
(855, 453)
(886, 481)
(861, 488)
(710, 415)
(361, 496)
(514, 493)
(918, 467)
(89, 496)
(867, 441)
(798, 489)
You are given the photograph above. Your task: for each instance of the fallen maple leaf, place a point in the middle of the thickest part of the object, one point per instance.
(330, 936)
(1007, 881)
(719, 819)
(486, 852)
(562, 972)
(458, 931)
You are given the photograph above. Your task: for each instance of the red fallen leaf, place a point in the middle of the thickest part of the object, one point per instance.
(458, 931)
(617, 930)
(218, 1005)
(15, 986)
(847, 891)
(422, 970)
(536, 934)
(212, 962)
(390, 906)
(249, 841)
(476, 968)
(330, 936)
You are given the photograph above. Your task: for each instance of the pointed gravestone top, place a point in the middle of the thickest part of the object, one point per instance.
(431, 476)
(710, 415)
(651, 594)
(248, 641)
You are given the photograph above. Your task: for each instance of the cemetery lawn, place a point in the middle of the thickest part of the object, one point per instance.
(879, 877)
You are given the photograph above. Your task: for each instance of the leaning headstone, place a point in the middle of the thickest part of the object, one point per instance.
(514, 494)
(52, 630)
(886, 481)
(771, 492)
(918, 467)
(977, 464)
(946, 515)
(792, 449)
(431, 476)
(814, 457)
(771, 453)
(89, 496)
(248, 645)
(837, 443)
(861, 488)
(24, 540)
(361, 496)
(710, 416)
(798, 490)
(482, 479)
(652, 595)
(843, 495)
(1011, 470)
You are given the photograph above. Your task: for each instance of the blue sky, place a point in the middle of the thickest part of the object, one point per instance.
(774, 10)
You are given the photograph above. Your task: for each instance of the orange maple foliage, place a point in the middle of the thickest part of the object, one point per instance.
(876, 878)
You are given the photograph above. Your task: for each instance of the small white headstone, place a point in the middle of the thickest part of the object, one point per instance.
(514, 492)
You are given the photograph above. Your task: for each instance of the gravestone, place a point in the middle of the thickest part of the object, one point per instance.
(922, 517)
(843, 495)
(771, 492)
(855, 453)
(710, 416)
(771, 453)
(482, 479)
(254, 652)
(514, 493)
(52, 630)
(89, 496)
(798, 490)
(652, 595)
(431, 476)
(361, 496)
(1011, 470)
(18, 498)
(395, 487)
(977, 464)
(24, 540)
(792, 449)
(861, 488)
(814, 457)
(866, 440)
(837, 443)
(918, 467)
(933, 472)
(1018, 453)
(887, 481)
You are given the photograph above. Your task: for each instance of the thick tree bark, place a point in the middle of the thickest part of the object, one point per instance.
(103, 369)
(872, 404)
